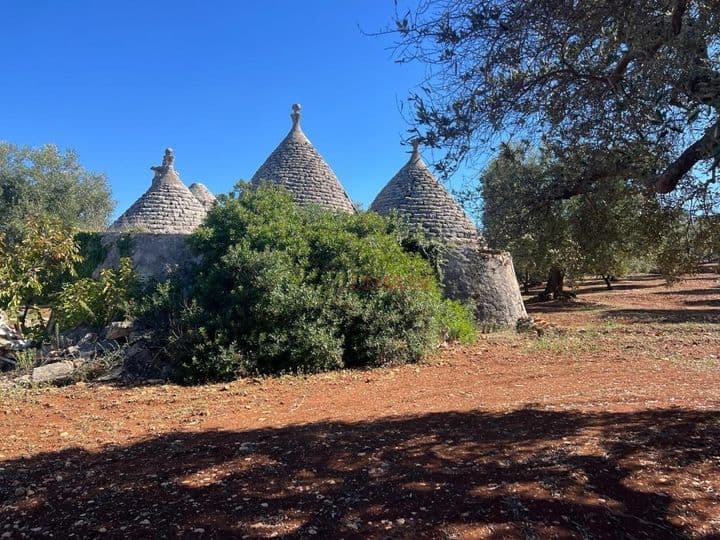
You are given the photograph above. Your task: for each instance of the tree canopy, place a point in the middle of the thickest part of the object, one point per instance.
(613, 88)
(608, 232)
(48, 183)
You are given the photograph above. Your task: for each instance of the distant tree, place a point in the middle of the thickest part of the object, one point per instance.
(537, 235)
(691, 239)
(611, 88)
(46, 182)
(602, 233)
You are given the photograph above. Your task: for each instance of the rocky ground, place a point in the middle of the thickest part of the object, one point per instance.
(606, 427)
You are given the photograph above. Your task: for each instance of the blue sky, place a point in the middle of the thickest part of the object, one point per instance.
(121, 81)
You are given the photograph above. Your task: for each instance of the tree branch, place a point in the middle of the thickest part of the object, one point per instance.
(702, 149)
(634, 54)
(627, 58)
(677, 16)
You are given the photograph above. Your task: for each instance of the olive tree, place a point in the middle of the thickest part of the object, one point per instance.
(49, 183)
(601, 233)
(613, 88)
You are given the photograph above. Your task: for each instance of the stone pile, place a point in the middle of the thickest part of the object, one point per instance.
(11, 342)
(79, 353)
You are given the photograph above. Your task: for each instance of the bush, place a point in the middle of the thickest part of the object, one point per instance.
(97, 302)
(34, 263)
(289, 289)
(92, 251)
(457, 322)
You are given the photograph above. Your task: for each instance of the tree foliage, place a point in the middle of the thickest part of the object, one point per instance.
(33, 266)
(607, 232)
(97, 302)
(46, 182)
(610, 88)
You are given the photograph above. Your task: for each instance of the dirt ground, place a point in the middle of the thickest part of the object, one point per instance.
(609, 427)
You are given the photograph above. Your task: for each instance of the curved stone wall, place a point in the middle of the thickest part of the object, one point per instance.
(486, 278)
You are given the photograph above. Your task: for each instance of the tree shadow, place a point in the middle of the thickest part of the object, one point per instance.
(599, 287)
(561, 306)
(520, 474)
(693, 292)
(707, 302)
(670, 316)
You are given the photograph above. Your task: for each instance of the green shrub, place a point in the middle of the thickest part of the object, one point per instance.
(289, 289)
(457, 322)
(34, 264)
(161, 305)
(97, 302)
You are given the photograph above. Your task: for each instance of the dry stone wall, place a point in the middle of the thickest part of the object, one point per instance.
(154, 255)
(487, 279)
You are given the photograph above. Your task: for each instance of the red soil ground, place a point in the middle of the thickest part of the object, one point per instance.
(609, 428)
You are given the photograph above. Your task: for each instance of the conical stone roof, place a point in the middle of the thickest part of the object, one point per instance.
(415, 193)
(203, 195)
(298, 166)
(167, 207)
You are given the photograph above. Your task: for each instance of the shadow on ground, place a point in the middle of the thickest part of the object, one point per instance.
(560, 306)
(706, 302)
(649, 315)
(617, 287)
(693, 292)
(524, 474)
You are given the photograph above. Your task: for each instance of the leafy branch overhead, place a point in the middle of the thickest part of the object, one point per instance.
(633, 88)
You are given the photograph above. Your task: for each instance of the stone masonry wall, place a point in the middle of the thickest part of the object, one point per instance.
(153, 255)
(487, 278)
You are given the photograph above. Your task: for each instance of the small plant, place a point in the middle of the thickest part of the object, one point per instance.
(457, 322)
(92, 251)
(97, 302)
(33, 266)
(25, 360)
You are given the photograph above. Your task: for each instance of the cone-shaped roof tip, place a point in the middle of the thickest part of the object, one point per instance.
(167, 163)
(298, 166)
(415, 154)
(167, 207)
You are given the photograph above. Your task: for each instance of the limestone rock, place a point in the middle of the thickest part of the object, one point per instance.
(298, 166)
(119, 330)
(11, 341)
(57, 373)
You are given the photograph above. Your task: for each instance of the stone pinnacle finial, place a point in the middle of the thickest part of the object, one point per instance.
(296, 114)
(167, 162)
(415, 149)
(169, 157)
